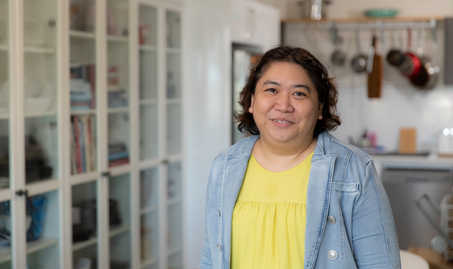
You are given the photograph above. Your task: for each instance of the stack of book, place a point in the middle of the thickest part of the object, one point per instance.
(83, 147)
(117, 98)
(83, 84)
(118, 153)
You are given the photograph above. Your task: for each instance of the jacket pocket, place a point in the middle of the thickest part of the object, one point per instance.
(345, 187)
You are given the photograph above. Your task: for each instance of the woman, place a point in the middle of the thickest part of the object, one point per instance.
(291, 195)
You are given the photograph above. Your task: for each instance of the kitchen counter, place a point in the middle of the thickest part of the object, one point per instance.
(406, 161)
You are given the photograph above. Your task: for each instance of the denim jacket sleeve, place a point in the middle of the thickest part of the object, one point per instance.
(373, 229)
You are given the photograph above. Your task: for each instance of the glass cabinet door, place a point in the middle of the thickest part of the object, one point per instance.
(173, 82)
(148, 82)
(149, 218)
(83, 86)
(174, 215)
(43, 231)
(118, 82)
(4, 97)
(40, 91)
(120, 221)
(84, 225)
(6, 229)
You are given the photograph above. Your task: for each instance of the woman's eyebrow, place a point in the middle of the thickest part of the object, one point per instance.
(301, 86)
(271, 82)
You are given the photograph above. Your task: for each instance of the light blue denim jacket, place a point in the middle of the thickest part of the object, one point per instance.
(349, 219)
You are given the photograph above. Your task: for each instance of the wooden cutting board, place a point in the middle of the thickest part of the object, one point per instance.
(375, 77)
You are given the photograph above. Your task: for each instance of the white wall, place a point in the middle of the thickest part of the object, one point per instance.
(401, 105)
(207, 111)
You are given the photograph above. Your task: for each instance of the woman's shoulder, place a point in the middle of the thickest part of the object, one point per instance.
(242, 148)
(341, 148)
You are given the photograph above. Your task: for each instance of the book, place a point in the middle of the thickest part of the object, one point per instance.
(82, 146)
(75, 121)
(87, 143)
(119, 162)
(117, 156)
(73, 151)
(90, 141)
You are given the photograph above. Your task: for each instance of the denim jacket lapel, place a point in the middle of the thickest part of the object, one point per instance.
(318, 198)
(236, 165)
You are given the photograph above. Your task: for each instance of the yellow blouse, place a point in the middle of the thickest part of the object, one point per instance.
(268, 226)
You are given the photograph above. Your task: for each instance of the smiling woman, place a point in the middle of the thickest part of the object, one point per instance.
(291, 195)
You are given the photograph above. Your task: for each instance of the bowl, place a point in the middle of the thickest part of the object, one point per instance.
(381, 12)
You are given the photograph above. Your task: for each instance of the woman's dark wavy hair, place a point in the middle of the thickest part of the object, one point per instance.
(325, 86)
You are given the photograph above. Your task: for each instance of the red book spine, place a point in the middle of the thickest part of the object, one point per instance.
(119, 162)
(76, 137)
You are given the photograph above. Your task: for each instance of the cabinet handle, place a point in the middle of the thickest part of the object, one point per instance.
(106, 174)
(22, 192)
(166, 161)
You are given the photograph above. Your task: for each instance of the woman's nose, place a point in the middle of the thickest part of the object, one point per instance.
(283, 103)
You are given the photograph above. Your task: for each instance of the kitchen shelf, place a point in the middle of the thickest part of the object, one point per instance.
(113, 232)
(32, 247)
(364, 19)
(148, 262)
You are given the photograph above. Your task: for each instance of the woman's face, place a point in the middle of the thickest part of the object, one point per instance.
(285, 105)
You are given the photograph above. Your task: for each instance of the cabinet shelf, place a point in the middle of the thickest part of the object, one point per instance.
(173, 101)
(148, 102)
(82, 34)
(148, 262)
(4, 116)
(174, 250)
(148, 210)
(113, 232)
(118, 110)
(31, 49)
(173, 201)
(147, 48)
(173, 50)
(32, 247)
(83, 112)
(121, 39)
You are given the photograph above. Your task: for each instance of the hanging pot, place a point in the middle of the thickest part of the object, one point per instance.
(410, 66)
(395, 56)
(359, 61)
(429, 69)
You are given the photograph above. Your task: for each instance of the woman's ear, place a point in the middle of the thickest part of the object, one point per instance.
(251, 104)
(320, 106)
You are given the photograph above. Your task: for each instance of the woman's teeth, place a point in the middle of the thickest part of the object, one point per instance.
(281, 121)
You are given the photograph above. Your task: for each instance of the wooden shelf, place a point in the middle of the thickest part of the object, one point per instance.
(363, 19)
(32, 247)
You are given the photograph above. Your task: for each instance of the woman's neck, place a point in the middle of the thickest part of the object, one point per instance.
(277, 158)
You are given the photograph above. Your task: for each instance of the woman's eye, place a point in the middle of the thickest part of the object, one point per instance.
(299, 94)
(271, 90)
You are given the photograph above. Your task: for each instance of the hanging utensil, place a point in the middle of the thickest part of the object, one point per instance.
(338, 56)
(410, 66)
(359, 61)
(375, 76)
(395, 56)
(429, 69)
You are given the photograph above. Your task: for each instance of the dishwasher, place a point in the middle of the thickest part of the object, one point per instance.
(404, 185)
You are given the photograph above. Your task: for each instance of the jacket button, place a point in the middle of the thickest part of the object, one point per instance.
(331, 219)
(333, 255)
(218, 212)
(219, 247)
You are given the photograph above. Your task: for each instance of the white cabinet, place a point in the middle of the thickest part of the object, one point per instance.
(254, 23)
(91, 137)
